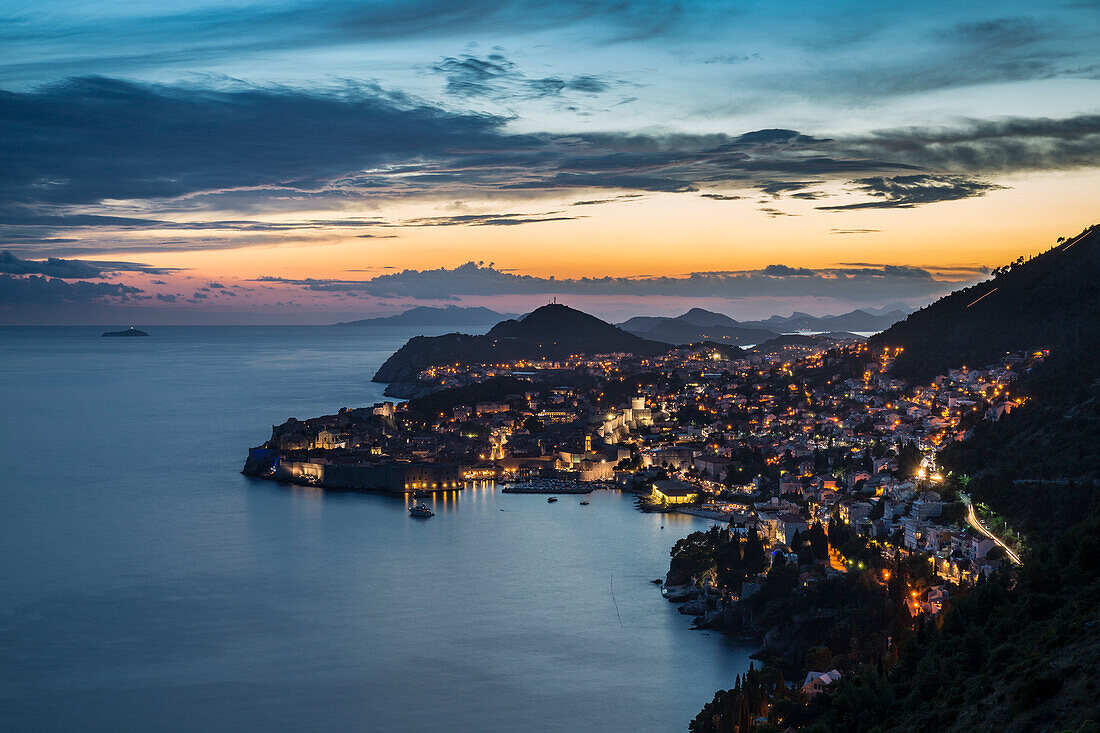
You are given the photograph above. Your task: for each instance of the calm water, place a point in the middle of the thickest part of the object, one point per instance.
(146, 585)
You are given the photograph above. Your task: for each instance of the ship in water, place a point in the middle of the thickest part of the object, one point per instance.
(421, 510)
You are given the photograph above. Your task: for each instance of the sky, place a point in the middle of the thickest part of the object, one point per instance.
(306, 162)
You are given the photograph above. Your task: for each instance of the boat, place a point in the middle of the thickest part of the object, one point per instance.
(584, 503)
(421, 510)
(551, 500)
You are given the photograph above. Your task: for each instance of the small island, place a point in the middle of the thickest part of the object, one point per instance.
(131, 331)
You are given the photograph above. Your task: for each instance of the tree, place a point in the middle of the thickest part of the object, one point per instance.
(909, 459)
(755, 559)
(819, 543)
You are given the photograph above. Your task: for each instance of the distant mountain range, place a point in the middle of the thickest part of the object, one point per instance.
(556, 331)
(451, 315)
(703, 325)
(857, 320)
(550, 332)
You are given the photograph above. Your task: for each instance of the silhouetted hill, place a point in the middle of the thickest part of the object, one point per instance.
(1050, 301)
(452, 315)
(557, 322)
(700, 317)
(696, 325)
(551, 332)
(815, 341)
(1013, 653)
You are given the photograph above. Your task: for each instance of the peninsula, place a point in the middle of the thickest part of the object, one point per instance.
(864, 492)
(548, 335)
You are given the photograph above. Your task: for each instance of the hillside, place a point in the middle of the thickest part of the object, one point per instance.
(550, 332)
(803, 341)
(1021, 651)
(1050, 301)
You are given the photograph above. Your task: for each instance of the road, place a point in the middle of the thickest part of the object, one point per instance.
(977, 524)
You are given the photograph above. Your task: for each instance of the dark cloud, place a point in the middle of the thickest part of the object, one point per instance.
(990, 146)
(476, 278)
(166, 297)
(55, 267)
(951, 56)
(484, 220)
(997, 34)
(571, 181)
(37, 290)
(80, 145)
(90, 139)
(785, 271)
(905, 192)
(472, 76)
(721, 196)
(780, 188)
(853, 231)
(496, 77)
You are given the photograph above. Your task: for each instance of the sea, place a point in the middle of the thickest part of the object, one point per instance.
(146, 585)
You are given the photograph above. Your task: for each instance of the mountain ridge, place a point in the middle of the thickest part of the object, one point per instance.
(552, 332)
(1049, 301)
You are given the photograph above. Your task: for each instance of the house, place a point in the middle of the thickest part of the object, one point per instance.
(858, 476)
(712, 465)
(818, 681)
(787, 525)
(853, 511)
(790, 485)
(928, 505)
(674, 492)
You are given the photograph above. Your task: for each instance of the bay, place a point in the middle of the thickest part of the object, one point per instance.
(147, 585)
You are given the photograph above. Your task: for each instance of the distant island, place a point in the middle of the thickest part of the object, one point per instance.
(131, 331)
(451, 315)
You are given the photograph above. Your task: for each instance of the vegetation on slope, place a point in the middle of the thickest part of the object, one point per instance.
(1050, 301)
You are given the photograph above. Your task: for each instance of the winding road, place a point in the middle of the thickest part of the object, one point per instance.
(976, 523)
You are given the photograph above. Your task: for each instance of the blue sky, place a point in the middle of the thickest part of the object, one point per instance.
(670, 137)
